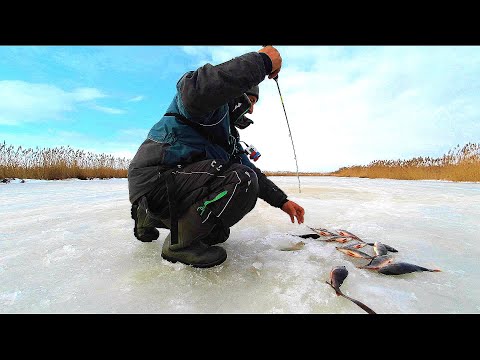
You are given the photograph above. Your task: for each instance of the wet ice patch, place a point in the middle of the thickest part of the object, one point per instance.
(61, 254)
(8, 299)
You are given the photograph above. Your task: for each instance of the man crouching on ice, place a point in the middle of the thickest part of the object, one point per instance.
(192, 175)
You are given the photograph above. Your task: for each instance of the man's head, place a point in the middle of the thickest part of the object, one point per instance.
(239, 106)
(253, 95)
(254, 91)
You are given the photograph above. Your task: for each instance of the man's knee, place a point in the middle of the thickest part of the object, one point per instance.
(247, 179)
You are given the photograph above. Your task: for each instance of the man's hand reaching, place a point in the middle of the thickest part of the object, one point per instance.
(274, 55)
(294, 210)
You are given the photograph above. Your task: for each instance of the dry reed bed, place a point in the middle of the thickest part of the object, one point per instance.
(58, 163)
(459, 164)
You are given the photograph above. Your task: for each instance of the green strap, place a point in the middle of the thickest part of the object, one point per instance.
(218, 197)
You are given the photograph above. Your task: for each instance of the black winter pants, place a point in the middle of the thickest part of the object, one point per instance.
(223, 193)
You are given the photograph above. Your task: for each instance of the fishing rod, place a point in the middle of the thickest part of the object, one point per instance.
(289, 131)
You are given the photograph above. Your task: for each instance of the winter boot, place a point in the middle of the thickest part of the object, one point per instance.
(190, 250)
(144, 229)
(218, 235)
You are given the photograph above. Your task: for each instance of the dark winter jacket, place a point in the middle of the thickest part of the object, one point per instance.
(202, 98)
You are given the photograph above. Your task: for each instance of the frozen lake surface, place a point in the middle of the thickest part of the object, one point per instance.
(68, 247)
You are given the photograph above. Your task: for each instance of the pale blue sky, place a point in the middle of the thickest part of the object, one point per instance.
(346, 105)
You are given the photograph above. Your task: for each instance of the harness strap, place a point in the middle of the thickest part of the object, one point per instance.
(201, 130)
(172, 206)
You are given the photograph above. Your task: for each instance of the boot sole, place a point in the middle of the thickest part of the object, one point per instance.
(133, 213)
(214, 263)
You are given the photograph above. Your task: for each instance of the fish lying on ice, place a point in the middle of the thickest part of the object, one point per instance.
(354, 253)
(337, 275)
(379, 249)
(322, 232)
(400, 268)
(389, 248)
(348, 234)
(343, 236)
(355, 246)
(340, 239)
(377, 262)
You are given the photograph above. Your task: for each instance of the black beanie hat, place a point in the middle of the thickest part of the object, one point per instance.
(254, 91)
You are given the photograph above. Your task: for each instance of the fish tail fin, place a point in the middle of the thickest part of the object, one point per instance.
(431, 270)
(361, 305)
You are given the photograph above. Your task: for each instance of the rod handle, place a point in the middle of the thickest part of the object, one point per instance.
(276, 77)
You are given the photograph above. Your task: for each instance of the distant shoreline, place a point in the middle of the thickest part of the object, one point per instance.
(461, 164)
(18, 180)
